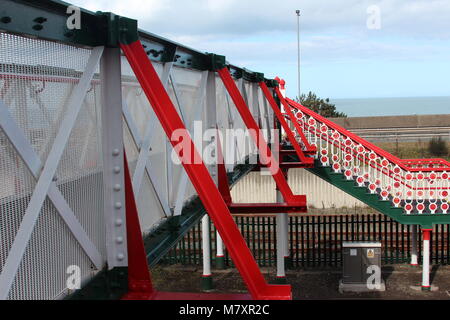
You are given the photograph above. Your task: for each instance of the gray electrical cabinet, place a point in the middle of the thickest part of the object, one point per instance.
(361, 260)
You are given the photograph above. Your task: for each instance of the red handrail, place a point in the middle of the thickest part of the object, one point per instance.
(399, 162)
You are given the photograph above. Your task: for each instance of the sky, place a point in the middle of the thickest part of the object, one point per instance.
(349, 48)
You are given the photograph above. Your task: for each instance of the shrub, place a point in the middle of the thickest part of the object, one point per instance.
(321, 106)
(438, 147)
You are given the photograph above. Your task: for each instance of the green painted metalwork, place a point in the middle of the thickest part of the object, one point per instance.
(106, 285)
(47, 19)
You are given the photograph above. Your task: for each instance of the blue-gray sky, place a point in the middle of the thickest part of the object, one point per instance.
(341, 57)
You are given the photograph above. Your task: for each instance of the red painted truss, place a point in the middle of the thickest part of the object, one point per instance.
(201, 179)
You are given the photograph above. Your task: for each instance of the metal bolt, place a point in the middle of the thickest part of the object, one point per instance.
(119, 240)
(40, 20)
(116, 152)
(120, 256)
(117, 170)
(5, 20)
(117, 187)
(118, 205)
(119, 222)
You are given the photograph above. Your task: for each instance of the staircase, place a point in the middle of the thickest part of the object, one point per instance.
(409, 191)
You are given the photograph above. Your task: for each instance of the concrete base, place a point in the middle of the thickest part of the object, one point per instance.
(220, 263)
(425, 289)
(287, 263)
(280, 280)
(207, 283)
(359, 287)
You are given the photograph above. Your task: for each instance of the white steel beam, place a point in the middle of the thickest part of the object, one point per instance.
(113, 159)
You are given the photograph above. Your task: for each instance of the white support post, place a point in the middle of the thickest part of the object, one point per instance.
(414, 258)
(426, 260)
(113, 166)
(207, 283)
(281, 272)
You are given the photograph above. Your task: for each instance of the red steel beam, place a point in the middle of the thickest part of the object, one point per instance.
(257, 208)
(294, 120)
(301, 155)
(200, 177)
(255, 132)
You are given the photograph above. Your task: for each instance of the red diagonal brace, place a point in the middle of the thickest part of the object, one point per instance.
(291, 115)
(301, 155)
(250, 208)
(255, 132)
(139, 281)
(200, 177)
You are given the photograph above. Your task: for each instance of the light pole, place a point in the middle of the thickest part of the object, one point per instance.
(298, 49)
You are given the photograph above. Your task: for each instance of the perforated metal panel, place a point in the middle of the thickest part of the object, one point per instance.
(36, 79)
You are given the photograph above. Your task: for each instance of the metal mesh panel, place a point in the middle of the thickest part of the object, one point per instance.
(36, 80)
(15, 187)
(51, 250)
(142, 116)
(234, 150)
(188, 85)
(79, 175)
(149, 209)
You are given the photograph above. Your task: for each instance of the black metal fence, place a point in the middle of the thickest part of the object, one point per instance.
(315, 240)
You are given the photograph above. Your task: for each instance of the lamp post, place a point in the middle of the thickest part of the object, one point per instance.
(298, 49)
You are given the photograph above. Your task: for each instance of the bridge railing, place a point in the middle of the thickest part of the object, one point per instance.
(419, 186)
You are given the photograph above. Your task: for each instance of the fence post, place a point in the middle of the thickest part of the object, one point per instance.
(281, 230)
(414, 260)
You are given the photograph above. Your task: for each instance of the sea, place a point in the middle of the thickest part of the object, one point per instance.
(367, 107)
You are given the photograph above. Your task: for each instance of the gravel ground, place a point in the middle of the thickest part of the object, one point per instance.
(310, 283)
